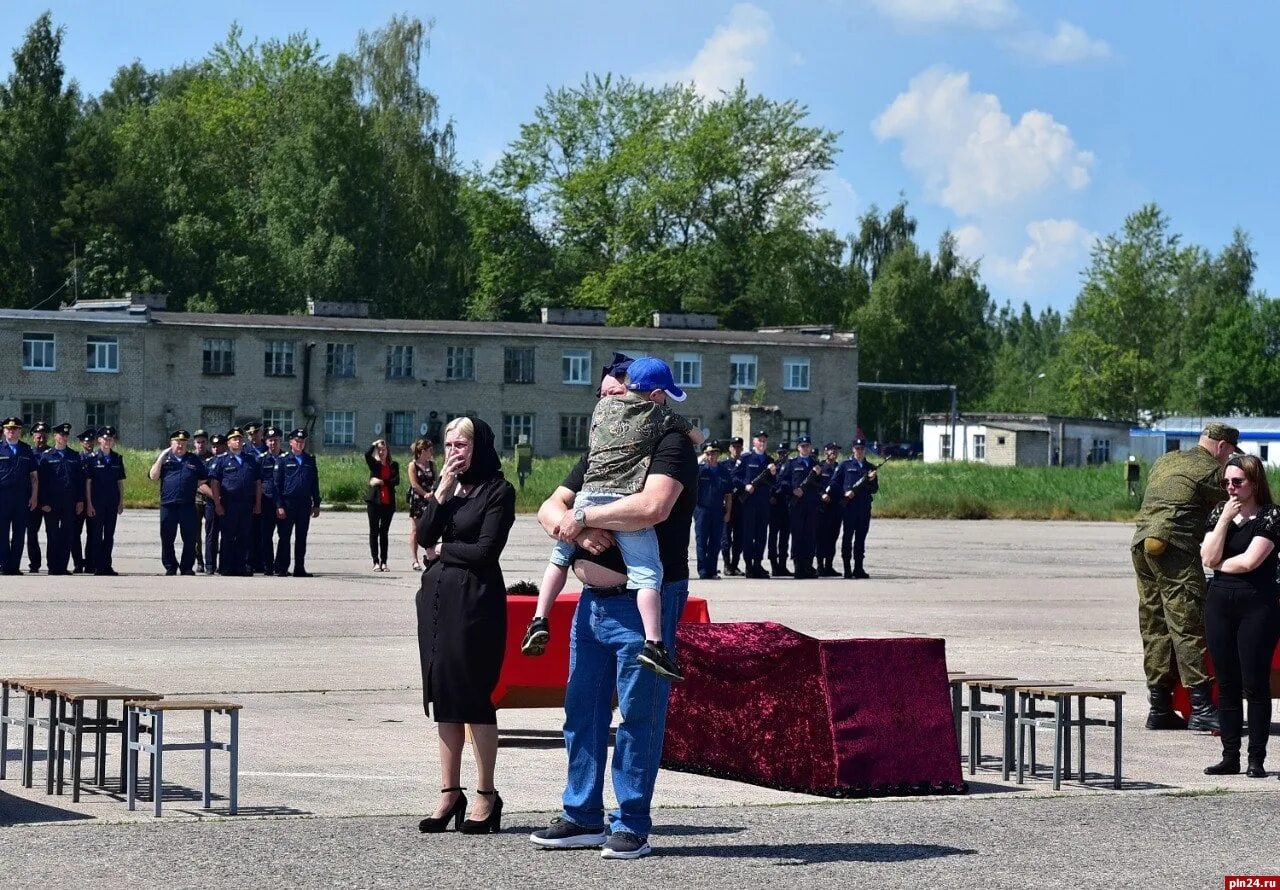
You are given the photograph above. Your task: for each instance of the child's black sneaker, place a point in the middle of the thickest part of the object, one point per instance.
(536, 637)
(654, 656)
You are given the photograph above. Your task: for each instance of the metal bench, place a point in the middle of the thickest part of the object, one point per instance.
(76, 724)
(957, 681)
(31, 689)
(1059, 719)
(137, 711)
(1003, 712)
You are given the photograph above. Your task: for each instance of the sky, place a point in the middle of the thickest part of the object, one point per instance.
(1029, 129)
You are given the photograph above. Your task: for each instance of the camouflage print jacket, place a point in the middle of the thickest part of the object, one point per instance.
(1181, 490)
(624, 431)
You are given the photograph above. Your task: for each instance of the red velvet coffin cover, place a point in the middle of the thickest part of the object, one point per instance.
(765, 704)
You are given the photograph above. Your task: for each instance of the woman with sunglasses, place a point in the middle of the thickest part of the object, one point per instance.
(1242, 616)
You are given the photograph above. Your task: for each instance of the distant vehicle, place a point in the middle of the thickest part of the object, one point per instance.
(901, 450)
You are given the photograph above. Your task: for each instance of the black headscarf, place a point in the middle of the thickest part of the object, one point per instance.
(485, 463)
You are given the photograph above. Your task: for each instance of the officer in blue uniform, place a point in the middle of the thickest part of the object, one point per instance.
(61, 473)
(731, 548)
(804, 497)
(180, 474)
(19, 494)
(212, 523)
(715, 489)
(855, 485)
(237, 496)
(104, 475)
(200, 448)
(79, 544)
(253, 445)
(755, 477)
(297, 502)
(267, 458)
(39, 445)
(829, 513)
(253, 448)
(780, 517)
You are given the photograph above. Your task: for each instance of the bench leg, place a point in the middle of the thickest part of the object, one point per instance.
(4, 729)
(975, 729)
(1057, 743)
(1080, 741)
(157, 760)
(1066, 737)
(100, 753)
(62, 742)
(1115, 781)
(1006, 760)
(77, 749)
(235, 761)
(29, 741)
(130, 756)
(208, 756)
(957, 709)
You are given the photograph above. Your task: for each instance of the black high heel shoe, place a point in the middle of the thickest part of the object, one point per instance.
(492, 824)
(457, 813)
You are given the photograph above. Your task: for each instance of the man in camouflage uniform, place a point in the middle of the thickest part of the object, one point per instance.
(1181, 490)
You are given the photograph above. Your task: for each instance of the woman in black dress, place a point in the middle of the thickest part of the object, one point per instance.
(462, 616)
(1242, 617)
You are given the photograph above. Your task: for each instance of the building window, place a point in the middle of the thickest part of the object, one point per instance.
(102, 355)
(340, 359)
(944, 446)
(999, 440)
(460, 363)
(575, 366)
(979, 446)
(575, 432)
(513, 427)
(795, 373)
(39, 352)
(33, 411)
(399, 362)
(278, 417)
(1100, 453)
(742, 372)
(339, 427)
(97, 414)
(279, 358)
(795, 428)
(399, 428)
(688, 370)
(1262, 452)
(517, 364)
(219, 356)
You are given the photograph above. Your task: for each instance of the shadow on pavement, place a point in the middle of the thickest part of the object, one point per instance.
(808, 854)
(19, 811)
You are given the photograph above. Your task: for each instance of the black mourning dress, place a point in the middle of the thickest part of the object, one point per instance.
(462, 603)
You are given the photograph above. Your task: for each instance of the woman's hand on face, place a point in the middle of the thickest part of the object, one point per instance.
(1231, 509)
(456, 465)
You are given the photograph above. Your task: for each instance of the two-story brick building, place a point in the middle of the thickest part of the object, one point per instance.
(352, 378)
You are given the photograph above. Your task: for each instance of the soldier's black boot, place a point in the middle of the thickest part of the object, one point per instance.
(848, 570)
(1204, 715)
(779, 570)
(1229, 765)
(827, 570)
(1256, 770)
(1162, 715)
(858, 571)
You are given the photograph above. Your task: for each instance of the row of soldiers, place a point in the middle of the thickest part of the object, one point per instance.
(751, 502)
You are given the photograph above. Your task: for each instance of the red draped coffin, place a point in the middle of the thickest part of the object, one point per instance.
(762, 703)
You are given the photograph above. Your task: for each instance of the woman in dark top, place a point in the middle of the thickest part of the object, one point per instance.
(462, 616)
(422, 484)
(380, 499)
(1242, 617)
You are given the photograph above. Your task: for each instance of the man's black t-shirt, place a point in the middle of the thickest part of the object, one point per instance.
(673, 456)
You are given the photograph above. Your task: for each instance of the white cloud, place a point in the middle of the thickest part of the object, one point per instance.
(970, 241)
(729, 54)
(841, 212)
(970, 155)
(1070, 43)
(932, 13)
(1055, 248)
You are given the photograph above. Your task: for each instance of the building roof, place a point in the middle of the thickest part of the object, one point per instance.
(1030, 421)
(1191, 426)
(1014, 426)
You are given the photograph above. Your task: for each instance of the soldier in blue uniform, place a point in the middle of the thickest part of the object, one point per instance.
(265, 551)
(253, 445)
(855, 484)
(61, 497)
(803, 496)
(731, 548)
(253, 449)
(715, 491)
(104, 477)
(236, 484)
(829, 513)
(212, 524)
(780, 517)
(79, 543)
(200, 448)
(179, 473)
(297, 502)
(755, 478)
(39, 445)
(19, 494)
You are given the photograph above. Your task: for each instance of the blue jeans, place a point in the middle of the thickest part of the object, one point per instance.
(639, 549)
(606, 638)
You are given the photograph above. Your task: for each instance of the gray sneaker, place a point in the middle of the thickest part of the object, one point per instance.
(626, 845)
(562, 834)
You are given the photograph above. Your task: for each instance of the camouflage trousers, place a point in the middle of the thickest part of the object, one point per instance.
(1171, 616)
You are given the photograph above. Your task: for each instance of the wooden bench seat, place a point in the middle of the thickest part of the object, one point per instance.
(1060, 720)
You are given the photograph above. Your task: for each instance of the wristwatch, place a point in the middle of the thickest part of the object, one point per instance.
(580, 515)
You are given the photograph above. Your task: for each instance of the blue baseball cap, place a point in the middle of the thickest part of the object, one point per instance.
(648, 374)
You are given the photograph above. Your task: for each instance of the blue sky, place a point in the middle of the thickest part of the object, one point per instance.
(1028, 128)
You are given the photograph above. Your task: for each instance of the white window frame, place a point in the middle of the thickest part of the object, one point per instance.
(278, 358)
(102, 356)
(29, 413)
(395, 441)
(460, 363)
(688, 370)
(795, 427)
(576, 420)
(47, 360)
(737, 362)
(980, 446)
(279, 417)
(98, 414)
(508, 365)
(339, 428)
(224, 350)
(511, 434)
(340, 357)
(944, 446)
(795, 367)
(1101, 451)
(575, 367)
(400, 362)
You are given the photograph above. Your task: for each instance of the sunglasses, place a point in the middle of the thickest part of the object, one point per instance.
(1234, 483)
